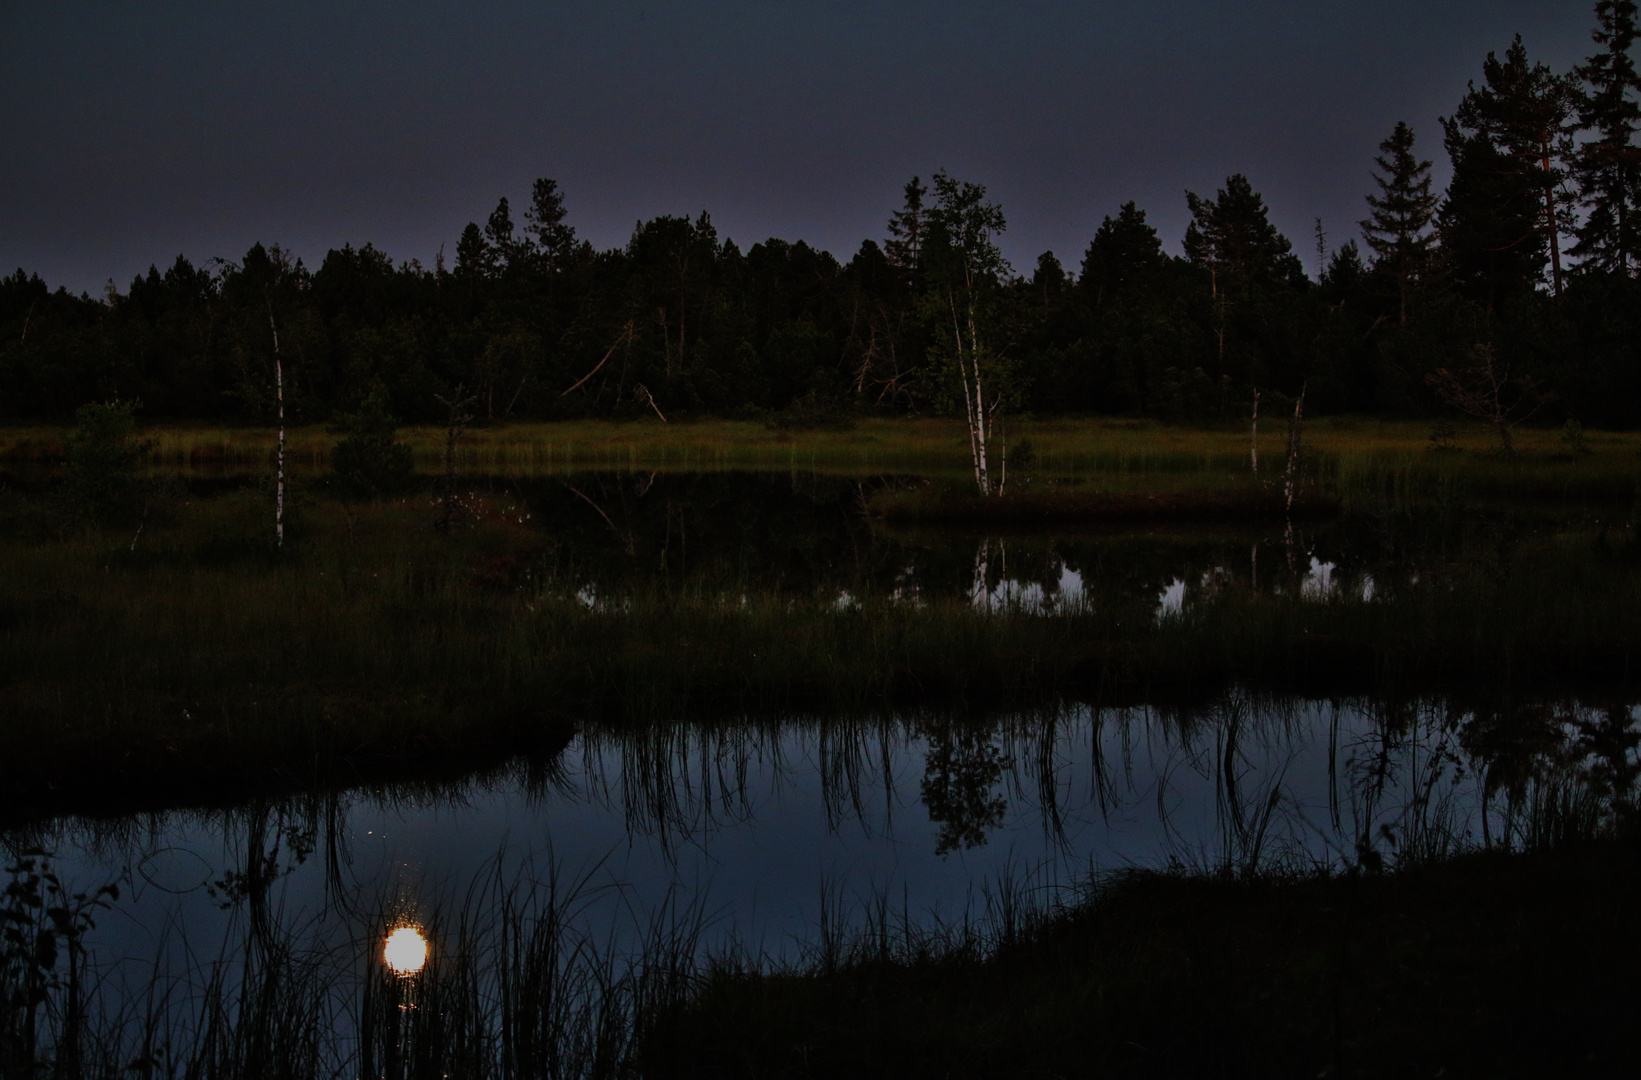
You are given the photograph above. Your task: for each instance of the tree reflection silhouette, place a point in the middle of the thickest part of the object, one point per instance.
(959, 774)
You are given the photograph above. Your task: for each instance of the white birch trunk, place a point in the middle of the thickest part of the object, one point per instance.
(1253, 437)
(279, 481)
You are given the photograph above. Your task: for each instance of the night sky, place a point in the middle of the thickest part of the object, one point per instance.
(133, 131)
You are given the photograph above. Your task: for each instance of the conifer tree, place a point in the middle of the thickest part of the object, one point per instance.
(1233, 237)
(544, 220)
(1398, 226)
(1125, 251)
(498, 232)
(1491, 247)
(1608, 167)
(1528, 114)
(474, 256)
(906, 227)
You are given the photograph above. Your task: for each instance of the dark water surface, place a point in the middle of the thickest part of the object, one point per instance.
(772, 837)
(771, 829)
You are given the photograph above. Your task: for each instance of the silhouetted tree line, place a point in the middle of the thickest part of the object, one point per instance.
(1527, 265)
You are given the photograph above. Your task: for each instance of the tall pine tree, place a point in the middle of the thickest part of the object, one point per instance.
(1233, 237)
(1528, 114)
(1398, 226)
(1608, 167)
(1492, 249)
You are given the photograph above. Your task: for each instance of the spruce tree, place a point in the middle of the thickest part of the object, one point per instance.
(499, 232)
(1608, 167)
(475, 258)
(1125, 251)
(544, 220)
(906, 227)
(1398, 227)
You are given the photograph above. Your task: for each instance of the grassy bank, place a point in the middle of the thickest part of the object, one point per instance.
(1485, 965)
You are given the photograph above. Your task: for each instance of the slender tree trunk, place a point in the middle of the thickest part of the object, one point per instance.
(279, 391)
(1253, 438)
(1296, 437)
(974, 403)
(1551, 224)
(459, 417)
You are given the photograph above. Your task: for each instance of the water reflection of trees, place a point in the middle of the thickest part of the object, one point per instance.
(608, 534)
(1405, 782)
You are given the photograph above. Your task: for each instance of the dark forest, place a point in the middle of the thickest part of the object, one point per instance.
(1521, 275)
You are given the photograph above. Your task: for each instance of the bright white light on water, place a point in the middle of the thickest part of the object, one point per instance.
(406, 951)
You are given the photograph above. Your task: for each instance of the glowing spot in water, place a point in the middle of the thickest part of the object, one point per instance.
(406, 951)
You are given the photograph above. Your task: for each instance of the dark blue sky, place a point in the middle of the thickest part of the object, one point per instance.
(136, 130)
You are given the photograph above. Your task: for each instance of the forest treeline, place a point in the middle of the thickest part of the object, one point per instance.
(1519, 281)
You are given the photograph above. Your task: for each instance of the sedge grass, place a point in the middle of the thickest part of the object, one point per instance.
(1094, 450)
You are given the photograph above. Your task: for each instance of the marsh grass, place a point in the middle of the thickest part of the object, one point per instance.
(202, 661)
(1102, 450)
(517, 985)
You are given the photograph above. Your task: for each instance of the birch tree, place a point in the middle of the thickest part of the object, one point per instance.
(964, 268)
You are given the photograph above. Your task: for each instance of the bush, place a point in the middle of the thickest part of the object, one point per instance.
(369, 463)
(102, 457)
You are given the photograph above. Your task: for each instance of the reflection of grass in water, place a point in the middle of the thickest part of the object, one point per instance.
(516, 985)
(202, 659)
(1264, 966)
(1510, 964)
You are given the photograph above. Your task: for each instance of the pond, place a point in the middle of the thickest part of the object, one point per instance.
(795, 838)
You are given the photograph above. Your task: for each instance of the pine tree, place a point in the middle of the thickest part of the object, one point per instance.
(906, 227)
(1529, 113)
(1233, 237)
(1398, 227)
(1608, 167)
(1491, 247)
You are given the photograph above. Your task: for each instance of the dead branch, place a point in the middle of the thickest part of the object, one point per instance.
(1487, 391)
(642, 393)
(626, 539)
(626, 336)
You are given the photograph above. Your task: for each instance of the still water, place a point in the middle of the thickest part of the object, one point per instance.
(775, 840)
(768, 830)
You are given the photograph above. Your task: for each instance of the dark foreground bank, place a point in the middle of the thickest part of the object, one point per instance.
(1489, 964)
